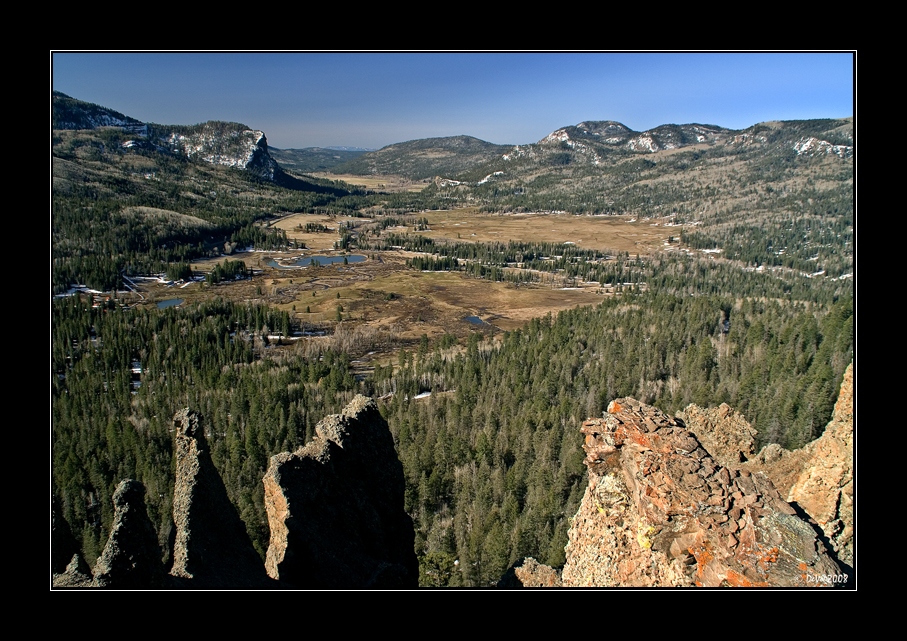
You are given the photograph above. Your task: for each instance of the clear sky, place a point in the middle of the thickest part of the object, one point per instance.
(309, 99)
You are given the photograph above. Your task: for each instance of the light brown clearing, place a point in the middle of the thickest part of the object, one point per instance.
(617, 233)
(389, 183)
(385, 297)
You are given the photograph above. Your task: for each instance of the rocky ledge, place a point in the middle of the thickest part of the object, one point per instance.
(660, 511)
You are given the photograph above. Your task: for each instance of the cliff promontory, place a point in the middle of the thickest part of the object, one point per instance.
(661, 511)
(684, 501)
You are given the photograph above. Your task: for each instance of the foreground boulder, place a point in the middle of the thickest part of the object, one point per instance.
(335, 507)
(660, 511)
(529, 573)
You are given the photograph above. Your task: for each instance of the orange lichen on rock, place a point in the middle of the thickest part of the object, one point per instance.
(660, 511)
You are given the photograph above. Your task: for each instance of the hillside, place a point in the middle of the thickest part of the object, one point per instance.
(106, 167)
(777, 194)
(426, 158)
(69, 113)
(312, 159)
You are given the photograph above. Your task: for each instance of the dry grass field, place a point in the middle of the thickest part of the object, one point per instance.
(382, 292)
(616, 233)
(389, 183)
(381, 295)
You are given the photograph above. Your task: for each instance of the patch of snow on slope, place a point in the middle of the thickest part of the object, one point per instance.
(643, 143)
(557, 136)
(489, 177)
(810, 145)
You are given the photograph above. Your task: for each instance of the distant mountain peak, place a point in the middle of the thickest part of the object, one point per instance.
(231, 144)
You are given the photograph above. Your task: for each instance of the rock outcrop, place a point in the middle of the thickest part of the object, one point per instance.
(335, 507)
(529, 573)
(825, 487)
(724, 433)
(782, 466)
(132, 556)
(220, 143)
(212, 547)
(77, 574)
(226, 143)
(660, 511)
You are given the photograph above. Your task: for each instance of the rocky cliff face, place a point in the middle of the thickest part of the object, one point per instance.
(229, 144)
(219, 143)
(335, 507)
(212, 547)
(824, 489)
(817, 478)
(724, 433)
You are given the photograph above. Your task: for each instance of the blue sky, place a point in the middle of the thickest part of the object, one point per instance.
(376, 99)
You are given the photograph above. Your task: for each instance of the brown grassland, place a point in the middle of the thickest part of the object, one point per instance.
(390, 184)
(383, 295)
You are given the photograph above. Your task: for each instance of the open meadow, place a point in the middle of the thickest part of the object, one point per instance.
(617, 233)
(381, 295)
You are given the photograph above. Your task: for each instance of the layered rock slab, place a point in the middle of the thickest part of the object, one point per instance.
(335, 507)
(660, 511)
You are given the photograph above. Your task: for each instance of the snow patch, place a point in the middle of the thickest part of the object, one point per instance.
(643, 143)
(810, 145)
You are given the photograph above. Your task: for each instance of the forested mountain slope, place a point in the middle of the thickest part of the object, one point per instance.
(425, 158)
(312, 159)
(131, 198)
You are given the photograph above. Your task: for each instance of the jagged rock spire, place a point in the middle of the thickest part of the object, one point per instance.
(132, 556)
(212, 547)
(335, 507)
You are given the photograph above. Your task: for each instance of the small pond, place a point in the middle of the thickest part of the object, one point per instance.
(320, 261)
(475, 320)
(170, 302)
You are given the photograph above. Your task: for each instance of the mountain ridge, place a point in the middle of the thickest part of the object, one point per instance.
(229, 144)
